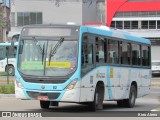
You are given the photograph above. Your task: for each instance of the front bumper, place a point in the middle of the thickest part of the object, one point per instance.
(60, 96)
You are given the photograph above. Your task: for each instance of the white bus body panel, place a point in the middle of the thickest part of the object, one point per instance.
(117, 82)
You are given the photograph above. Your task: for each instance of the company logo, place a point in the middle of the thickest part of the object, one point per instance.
(100, 75)
(6, 114)
(42, 86)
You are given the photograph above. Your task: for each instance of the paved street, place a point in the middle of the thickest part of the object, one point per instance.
(147, 103)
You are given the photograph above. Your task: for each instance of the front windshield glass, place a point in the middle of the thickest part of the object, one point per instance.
(56, 57)
(2, 53)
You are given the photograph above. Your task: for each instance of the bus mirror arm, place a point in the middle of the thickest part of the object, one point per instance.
(12, 43)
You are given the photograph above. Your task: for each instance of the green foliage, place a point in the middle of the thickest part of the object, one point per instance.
(3, 73)
(7, 89)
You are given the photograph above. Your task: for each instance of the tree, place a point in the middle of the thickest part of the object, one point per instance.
(1, 20)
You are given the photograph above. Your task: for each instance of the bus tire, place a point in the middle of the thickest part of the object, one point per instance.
(44, 104)
(120, 103)
(130, 102)
(53, 103)
(98, 99)
(10, 70)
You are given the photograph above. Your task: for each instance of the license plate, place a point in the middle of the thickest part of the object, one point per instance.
(44, 98)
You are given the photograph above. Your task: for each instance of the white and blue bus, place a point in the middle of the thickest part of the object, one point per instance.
(82, 64)
(8, 47)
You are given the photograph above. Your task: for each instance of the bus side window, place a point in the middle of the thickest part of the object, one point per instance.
(145, 55)
(136, 54)
(87, 57)
(100, 50)
(125, 52)
(113, 52)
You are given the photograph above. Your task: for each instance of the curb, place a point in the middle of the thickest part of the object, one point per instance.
(155, 85)
(6, 81)
(7, 96)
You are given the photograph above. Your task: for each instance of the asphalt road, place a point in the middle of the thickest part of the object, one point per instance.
(146, 103)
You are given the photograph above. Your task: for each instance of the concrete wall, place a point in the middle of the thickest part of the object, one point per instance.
(89, 11)
(68, 11)
(155, 53)
(53, 12)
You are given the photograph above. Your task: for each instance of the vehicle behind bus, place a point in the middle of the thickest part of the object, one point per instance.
(4, 48)
(81, 64)
(156, 67)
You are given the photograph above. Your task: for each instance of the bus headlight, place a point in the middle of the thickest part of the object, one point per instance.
(72, 84)
(19, 84)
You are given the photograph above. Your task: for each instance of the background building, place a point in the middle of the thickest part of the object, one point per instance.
(139, 17)
(26, 12)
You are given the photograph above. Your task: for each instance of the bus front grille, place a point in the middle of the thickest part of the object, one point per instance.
(36, 94)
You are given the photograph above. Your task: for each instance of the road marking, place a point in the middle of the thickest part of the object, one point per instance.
(155, 110)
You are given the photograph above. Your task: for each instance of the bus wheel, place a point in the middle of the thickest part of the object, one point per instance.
(53, 103)
(132, 97)
(44, 104)
(120, 103)
(10, 70)
(98, 99)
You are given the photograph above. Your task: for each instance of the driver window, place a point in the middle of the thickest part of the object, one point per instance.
(87, 56)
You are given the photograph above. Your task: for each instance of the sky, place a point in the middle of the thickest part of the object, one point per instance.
(7, 2)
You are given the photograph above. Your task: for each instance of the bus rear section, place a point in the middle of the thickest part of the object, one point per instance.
(80, 64)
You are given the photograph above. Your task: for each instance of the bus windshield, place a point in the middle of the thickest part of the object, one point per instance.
(2, 53)
(47, 57)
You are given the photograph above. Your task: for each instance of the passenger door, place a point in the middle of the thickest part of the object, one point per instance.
(87, 65)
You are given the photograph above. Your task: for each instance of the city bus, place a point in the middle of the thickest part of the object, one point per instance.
(4, 47)
(81, 64)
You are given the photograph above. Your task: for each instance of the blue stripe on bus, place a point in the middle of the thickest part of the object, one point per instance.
(137, 39)
(117, 34)
(109, 84)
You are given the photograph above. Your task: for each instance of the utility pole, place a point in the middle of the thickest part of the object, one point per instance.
(5, 18)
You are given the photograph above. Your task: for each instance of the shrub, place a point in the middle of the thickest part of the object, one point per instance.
(7, 89)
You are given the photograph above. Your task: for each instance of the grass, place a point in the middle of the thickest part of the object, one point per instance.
(3, 73)
(7, 89)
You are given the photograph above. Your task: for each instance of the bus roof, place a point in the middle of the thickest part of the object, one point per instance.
(116, 33)
(8, 44)
(101, 30)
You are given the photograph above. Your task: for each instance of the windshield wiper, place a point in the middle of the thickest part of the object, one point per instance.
(54, 50)
(42, 50)
(43, 53)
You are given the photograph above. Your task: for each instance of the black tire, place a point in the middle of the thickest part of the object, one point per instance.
(130, 102)
(53, 103)
(98, 99)
(10, 70)
(44, 104)
(120, 103)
